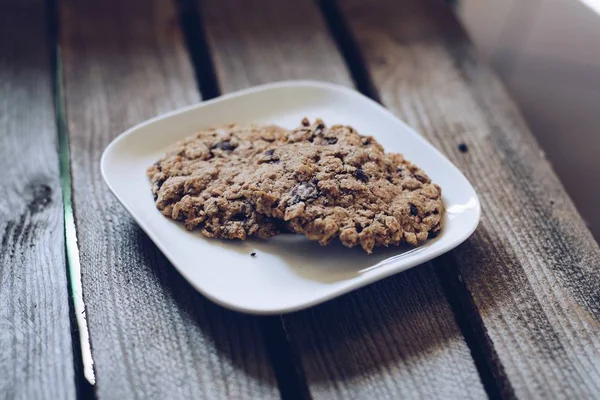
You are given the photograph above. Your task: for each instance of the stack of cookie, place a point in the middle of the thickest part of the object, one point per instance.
(235, 182)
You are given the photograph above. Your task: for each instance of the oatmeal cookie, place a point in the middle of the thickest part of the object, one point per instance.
(331, 183)
(195, 182)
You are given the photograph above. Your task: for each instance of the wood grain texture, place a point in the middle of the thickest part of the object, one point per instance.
(395, 339)
(260, 41)
(531, 272)
(36, 356)
(152, 334)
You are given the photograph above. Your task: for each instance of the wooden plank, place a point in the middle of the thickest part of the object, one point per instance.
(531, 272)
(395, 339)
(259, 41)
(152, 334)
(36, 355)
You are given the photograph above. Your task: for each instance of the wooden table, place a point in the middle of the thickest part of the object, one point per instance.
(513, 312)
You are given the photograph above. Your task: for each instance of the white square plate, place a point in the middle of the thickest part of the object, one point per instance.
(288, 272)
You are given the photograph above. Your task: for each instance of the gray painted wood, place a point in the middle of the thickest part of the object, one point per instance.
(395, 339)
(532, 271)
(152, 334)
(36, 356)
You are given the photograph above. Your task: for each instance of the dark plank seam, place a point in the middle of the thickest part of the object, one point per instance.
(286, 365)
(346, 43)
(84, 389)
(486, 361)
(465, 314)
(197, 46)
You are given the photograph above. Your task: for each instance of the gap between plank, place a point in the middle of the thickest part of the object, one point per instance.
(469, 322)
(465, 314)
(286, 364)
(287, 367)
(197, 46)
(82, 355)
(338, 28)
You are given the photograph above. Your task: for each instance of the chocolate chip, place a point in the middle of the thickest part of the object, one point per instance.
(400, 170)
(305, 122)
(303, 191)
(462, 147)
(332, 140)
(252, 254)
(269, 160)
(155, 196)
(159, 183)
(158, 166)
(269, 157)
(414, 211)
(420, 178)
(360, 175)
(365, 139)
(433, 234)
(239, 217)
(319, 129)
(224, 145)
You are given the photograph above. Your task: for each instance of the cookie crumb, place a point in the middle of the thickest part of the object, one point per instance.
(253, 254)
(463, 148)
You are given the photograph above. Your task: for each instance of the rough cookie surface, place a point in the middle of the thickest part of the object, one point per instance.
(331, 183)
(195, 181)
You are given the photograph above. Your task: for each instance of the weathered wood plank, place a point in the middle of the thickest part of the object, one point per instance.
(152, 334)
(259, 41)
(532, 270)
(36, 355)
(395, 339)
